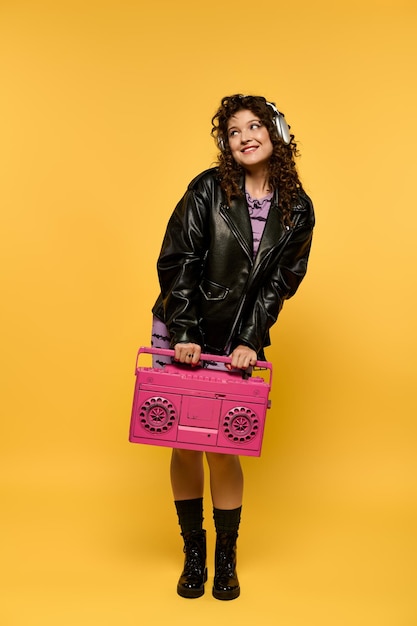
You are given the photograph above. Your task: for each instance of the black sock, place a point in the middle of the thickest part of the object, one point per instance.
(227, 521)
(190, 514)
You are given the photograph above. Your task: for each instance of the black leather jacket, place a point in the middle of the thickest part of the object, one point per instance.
(213, 292)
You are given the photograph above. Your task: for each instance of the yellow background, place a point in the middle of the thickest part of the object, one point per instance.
(104, 118)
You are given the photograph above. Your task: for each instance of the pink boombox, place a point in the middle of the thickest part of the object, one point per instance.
(199, 408)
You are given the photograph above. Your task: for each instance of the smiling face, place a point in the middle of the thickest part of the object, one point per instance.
(249, 140)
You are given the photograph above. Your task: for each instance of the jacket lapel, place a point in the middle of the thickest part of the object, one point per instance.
(236, 215)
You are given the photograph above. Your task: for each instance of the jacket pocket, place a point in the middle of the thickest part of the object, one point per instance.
(213, 291)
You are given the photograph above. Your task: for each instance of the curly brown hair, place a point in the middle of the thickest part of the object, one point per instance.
(282, 171)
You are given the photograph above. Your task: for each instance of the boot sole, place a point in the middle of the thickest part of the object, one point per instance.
(226, 595)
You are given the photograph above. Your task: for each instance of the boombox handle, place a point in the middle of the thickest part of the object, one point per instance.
(203, 357)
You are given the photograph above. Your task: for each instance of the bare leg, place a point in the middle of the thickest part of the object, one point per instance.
(226, 480)
(187, 474)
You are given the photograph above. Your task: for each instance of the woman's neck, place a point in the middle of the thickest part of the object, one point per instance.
(256, 184)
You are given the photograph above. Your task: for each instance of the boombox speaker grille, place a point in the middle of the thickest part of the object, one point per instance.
(240, 424)
(157, 415)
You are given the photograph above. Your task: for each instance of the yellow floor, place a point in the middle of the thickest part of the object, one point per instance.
(104, 548)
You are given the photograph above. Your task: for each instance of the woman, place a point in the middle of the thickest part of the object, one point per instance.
(235, 248)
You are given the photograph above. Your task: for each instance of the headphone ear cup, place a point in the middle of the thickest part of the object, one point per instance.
(283, 129)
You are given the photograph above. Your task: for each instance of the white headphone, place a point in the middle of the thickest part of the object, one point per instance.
(281, 125)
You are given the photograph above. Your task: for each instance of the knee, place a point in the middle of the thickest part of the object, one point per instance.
(216, 459)
(187, 456)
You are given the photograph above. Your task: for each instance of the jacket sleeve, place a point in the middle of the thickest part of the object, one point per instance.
(180, 267)
(281, 284)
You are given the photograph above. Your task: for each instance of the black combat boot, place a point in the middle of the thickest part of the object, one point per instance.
(194, 575)
(226, 584)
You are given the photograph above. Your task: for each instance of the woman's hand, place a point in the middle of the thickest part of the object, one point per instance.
(242, 357)
(187, 353)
